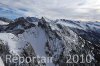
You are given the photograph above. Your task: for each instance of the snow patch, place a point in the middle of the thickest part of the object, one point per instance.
(3, 23)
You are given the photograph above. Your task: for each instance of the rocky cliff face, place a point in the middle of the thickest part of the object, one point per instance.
(60, 39)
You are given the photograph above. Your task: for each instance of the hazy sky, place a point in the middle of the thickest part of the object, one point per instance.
(69, 9)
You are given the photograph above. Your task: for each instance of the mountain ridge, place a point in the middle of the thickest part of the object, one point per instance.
(52, 38)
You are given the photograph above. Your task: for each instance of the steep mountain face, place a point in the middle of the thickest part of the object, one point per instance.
(59, 39)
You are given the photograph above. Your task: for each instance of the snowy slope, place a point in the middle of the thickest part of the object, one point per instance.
(3, 23)
(12, 41)
(35, 36)
(32, 36)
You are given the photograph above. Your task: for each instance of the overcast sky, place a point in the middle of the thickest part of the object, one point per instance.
(69, 9)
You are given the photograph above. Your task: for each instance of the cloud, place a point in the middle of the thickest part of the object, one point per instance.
(74, 9)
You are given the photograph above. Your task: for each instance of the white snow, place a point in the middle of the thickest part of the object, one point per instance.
(13, 42)
(3, 23)
(9, 38)
(36, 37)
